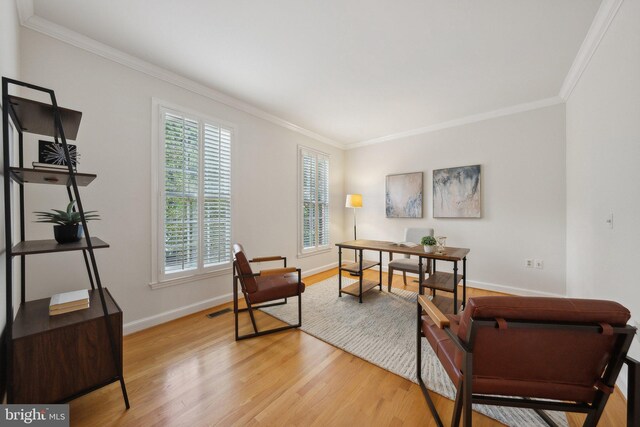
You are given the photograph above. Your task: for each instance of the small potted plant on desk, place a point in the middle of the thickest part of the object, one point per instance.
(68, 228)
(429, 243)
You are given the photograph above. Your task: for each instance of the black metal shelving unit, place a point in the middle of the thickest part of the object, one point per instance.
(30, 116)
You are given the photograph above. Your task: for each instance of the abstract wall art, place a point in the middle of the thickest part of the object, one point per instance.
(456, 192)
(403, 195)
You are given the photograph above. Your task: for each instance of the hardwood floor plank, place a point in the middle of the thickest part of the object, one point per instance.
(191, 372)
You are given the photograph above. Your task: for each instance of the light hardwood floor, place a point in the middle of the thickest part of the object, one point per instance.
(191, 372)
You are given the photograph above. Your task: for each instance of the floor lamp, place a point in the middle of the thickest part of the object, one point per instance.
(354, 201)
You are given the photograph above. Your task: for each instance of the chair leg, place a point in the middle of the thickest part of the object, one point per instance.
(404, 277)
(253, 319)
(423, 387)
(390, 279)
(599, 403)
(457, 407)
(235, 303)
(467, 383)
(299, 309)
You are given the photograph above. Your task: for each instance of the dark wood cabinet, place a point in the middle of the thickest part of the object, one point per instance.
(56, 358)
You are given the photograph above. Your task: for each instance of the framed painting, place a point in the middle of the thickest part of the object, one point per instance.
(403, 195)
(456, 192)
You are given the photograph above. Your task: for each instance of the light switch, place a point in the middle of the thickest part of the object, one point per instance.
(610, 220)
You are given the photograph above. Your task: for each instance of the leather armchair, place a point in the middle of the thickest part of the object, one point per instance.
(263, 287)
(515, 351)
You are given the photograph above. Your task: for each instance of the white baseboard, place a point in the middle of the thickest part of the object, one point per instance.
(511, 290)
(313, 271)
(498, 288)
(157, 319)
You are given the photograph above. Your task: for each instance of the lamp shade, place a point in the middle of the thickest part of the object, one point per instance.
(353, 201)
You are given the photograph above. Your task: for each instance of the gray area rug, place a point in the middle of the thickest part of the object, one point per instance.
(382, 330)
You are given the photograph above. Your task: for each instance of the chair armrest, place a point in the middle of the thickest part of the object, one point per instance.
(434, 313)
(273, 271)
(267, 258)
(270, 258)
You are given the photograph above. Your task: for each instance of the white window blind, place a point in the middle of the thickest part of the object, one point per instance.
(196, 217)
(314, 178)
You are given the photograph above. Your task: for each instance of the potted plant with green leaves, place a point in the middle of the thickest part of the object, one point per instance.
(429, 243)
(68, 226)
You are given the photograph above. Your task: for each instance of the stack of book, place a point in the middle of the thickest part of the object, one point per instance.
(68, 302)
(47, 166)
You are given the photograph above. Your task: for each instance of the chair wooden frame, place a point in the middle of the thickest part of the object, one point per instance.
(238, 277)
(465, 396)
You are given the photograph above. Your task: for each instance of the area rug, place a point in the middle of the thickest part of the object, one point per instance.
(381, 331)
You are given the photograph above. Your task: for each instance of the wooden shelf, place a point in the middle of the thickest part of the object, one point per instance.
(37, 117)
(441, 281)
(354, 289)
(32, 247)
(354, 267)
(40, 176)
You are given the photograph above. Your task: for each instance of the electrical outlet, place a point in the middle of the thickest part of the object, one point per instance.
(539, 264)
(528, 263)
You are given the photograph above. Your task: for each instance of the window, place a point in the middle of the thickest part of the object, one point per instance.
(194, 212)
(314, 201)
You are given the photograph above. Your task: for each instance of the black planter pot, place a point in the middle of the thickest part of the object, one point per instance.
(67, 233)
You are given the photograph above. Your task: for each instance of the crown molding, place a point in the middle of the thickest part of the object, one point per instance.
(599, 26)
(41, 25)
(25, 10)
(514, 109)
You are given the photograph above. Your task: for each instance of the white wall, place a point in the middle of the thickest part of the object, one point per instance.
(9, 66)
(603, 151)
(523, 195)
(115, 142)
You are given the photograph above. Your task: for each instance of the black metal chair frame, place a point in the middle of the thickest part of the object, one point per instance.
(465, 396)
(236, 310)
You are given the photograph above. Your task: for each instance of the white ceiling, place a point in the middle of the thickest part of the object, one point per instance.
(345, 69)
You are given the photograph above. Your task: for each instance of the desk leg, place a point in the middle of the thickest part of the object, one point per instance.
(464, 283)
(455, 287)
(340, 271)
(360, 280)
(433, 271)
(380, 275)
(420, 275)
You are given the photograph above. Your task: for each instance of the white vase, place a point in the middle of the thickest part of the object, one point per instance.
(429, 249)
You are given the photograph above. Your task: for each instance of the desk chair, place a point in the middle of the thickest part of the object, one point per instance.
(558, 354)
(263, 287)
(408, 264)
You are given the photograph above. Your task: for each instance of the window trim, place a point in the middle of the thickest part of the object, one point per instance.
(302, 252)
(158, 278)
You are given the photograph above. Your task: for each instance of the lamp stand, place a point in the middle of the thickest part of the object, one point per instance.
(355, 237)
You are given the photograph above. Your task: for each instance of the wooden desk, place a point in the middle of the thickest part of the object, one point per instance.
(436, 281)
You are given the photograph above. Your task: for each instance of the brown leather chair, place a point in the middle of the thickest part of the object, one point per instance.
(519, 350)
(262, 287)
